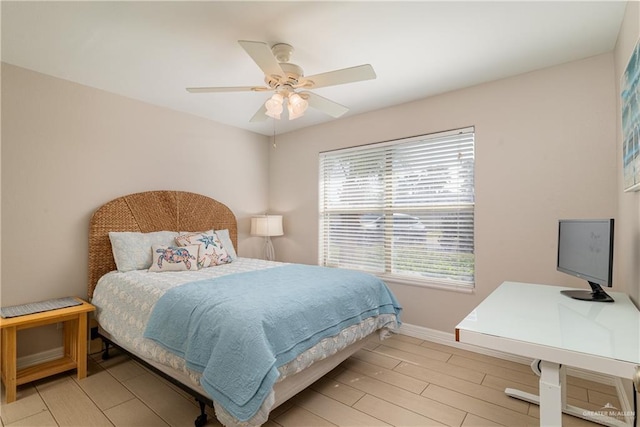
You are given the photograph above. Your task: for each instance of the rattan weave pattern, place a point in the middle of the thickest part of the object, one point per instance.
(152, 211)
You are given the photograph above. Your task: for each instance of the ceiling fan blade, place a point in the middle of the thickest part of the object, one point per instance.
(338, 77)
(323, 104)
(261, 54)
(227, 89)
(260, 115)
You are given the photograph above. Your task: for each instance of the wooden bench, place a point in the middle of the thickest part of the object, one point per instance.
(74, 320)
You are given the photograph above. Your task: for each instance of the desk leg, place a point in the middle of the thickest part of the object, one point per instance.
(9, 369)
(551, 394)
(552, 400)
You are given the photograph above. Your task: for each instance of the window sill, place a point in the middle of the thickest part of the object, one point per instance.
(431, 284)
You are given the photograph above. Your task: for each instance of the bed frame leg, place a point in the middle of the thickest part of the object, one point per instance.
(105, 353)
(202, 418)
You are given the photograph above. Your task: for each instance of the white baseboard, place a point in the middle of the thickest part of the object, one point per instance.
(446, 338)
(37, 358)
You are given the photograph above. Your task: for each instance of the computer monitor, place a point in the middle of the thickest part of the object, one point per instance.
(585, 250)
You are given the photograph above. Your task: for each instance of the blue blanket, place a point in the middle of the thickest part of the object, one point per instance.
(238, 329)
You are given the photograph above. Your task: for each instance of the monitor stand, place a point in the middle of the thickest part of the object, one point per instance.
(597, 294)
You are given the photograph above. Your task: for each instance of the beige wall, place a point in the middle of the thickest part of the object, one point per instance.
(545, 149)
(68, 148)
(627, 250)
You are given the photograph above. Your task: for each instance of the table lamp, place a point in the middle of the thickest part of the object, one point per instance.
(267, 226)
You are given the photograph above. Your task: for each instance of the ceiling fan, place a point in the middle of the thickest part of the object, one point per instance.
(289, 83)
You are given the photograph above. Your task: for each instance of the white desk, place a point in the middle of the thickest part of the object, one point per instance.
(538, 322)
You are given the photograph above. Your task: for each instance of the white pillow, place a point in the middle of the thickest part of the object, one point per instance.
(174, 258)
(132, 250)
(225, 239)
(212, 252)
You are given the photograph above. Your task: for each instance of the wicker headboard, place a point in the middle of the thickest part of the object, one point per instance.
(152, 211)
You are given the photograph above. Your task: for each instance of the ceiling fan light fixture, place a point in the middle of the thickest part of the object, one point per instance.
(296, 106)
(274, 106)
(284, 78)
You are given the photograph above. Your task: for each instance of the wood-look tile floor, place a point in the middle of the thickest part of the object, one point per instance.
(402, 381)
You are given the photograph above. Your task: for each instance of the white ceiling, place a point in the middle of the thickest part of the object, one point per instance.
(152, 51)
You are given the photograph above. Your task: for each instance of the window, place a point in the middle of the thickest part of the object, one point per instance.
(403, 209)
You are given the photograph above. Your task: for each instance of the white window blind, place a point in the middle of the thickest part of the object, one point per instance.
(402, 209)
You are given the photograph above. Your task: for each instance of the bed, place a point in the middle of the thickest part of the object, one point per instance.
(221, 302)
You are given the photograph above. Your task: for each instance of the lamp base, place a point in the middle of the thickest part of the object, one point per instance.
(269, 251)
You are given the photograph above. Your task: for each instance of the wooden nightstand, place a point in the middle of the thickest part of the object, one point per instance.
(74, 320)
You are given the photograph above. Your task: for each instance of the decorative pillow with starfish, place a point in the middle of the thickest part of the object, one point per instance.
(211, 251)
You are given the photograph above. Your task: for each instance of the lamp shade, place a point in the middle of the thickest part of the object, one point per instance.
(296, 106)
(274, 106)
(266, 225)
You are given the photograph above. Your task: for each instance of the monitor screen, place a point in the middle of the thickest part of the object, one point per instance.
(585, 250)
